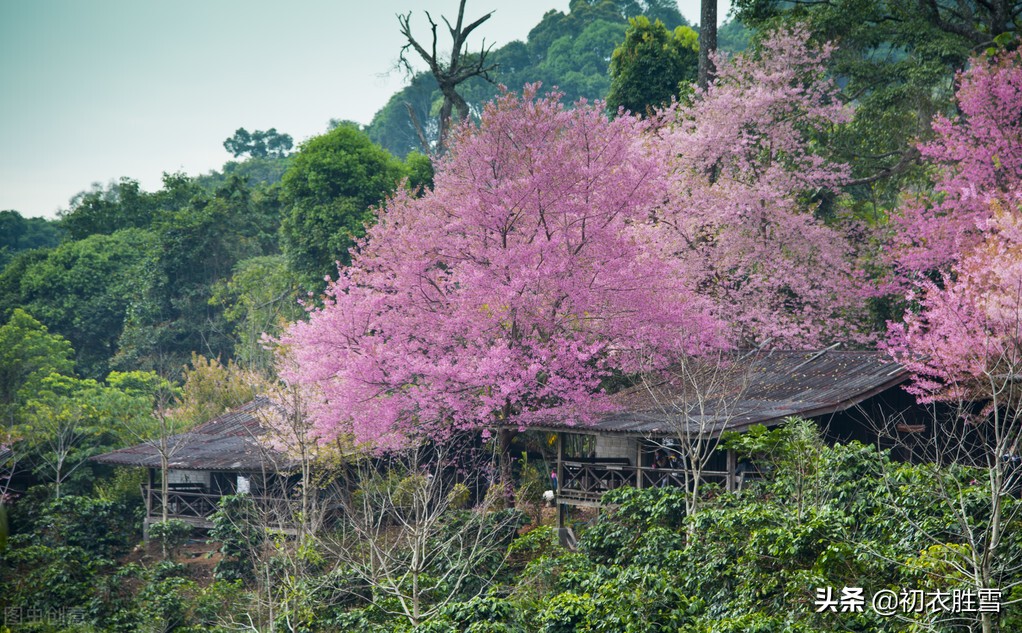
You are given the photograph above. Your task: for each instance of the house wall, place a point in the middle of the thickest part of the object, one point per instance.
(616, 446)
(188, 477)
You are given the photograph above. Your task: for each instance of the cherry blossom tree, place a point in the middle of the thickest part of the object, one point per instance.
(978, 155)
(560, 246)
(504, 296)
(751, 172)
(965, 338)
(959, 250)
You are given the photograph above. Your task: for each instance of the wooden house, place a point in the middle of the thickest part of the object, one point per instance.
(846, 392)
(224, 456)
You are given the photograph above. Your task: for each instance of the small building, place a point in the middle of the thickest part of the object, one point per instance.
(224, 456)
(848, 393)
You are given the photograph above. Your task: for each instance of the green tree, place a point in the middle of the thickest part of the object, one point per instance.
(195, 248)
(120, 205)
(65, 420)
(259, 144)
(13, 275)
(124, 205)
(28, 353)
(212, 388)
(328, 192)
(651, 66)
(259, 298)
(577, 65)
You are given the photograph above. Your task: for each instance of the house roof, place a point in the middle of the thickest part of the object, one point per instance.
(757, 388)
(229, 442)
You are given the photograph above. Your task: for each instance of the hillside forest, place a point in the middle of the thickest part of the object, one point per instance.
(519, 235)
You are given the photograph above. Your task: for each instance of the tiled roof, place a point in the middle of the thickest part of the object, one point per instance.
(229, 442)
(759, 388)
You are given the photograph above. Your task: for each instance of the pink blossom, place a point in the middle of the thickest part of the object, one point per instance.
(959, 250)
(747, 166)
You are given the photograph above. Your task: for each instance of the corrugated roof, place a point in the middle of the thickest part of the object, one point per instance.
(229, 442)
(759, 388)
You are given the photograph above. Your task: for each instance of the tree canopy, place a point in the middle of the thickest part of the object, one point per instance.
(652, 66)
(958, 250)
(328, 192)
(259, 143)
(509, 291)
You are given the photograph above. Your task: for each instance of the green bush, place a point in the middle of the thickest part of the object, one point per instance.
(170, 535)
(237, 526)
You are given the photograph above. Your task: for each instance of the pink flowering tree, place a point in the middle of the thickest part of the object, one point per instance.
(750, 171)
(965, 338)
(978, 157)
(507, 294)
(959, 249)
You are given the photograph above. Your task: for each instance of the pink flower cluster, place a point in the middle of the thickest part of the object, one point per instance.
(960, 249)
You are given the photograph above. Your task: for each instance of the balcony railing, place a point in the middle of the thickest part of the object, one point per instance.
(587, 481)
(196, 504)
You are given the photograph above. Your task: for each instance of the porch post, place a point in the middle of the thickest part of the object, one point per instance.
(732, 470)
(560, 477)
(638, 462)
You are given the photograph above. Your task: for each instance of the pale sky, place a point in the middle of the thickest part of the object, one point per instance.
(93, 90)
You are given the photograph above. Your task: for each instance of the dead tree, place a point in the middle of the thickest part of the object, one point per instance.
(699, 398)
(449, 73)
(970, 450)
(411, 534)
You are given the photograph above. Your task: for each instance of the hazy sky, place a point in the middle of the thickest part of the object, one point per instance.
(92, 90)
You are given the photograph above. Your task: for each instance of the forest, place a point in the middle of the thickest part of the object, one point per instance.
(520, 236)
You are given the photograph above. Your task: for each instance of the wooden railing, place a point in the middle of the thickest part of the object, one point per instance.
(586, 481)
(190, 504)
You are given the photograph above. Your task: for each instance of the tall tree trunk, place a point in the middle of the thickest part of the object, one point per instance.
(707, 42)
(504, 437)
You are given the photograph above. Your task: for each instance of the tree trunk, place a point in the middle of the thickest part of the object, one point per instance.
(707, 42)
(164, 484)
(504, 437)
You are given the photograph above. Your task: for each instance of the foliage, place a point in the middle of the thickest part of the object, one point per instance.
(569, 51)
(102, 528)
(238, 529)
(959, 250)
(123, 205)
(196, 246)
(895, 61)
(211, 388)
(260, 298)
(65, 420)
(82, 291)
(48, 577)
(750, 172)
(18, 233)
(652, 66)
(170, 535)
